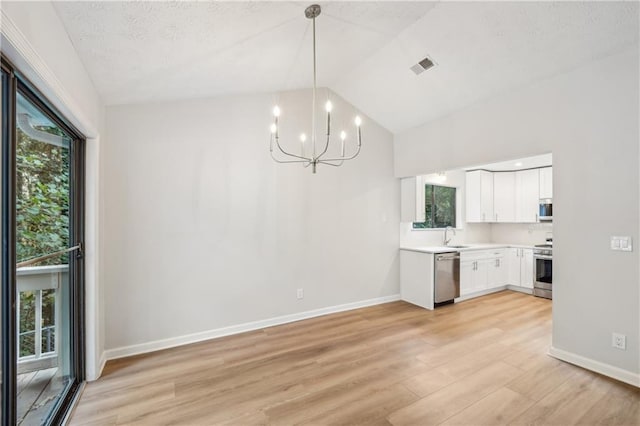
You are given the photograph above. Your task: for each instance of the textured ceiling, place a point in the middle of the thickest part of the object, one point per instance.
(146, 51)
(141, 51)
(482, 49)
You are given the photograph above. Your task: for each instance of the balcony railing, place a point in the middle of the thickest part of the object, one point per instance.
(40, 310)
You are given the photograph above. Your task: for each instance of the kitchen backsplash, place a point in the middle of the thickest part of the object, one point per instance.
(472, 233)
(499, 233)
(520, 233)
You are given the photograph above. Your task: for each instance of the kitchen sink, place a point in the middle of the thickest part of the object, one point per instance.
(458, 246)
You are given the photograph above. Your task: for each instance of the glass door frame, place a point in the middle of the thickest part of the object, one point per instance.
(17, 83)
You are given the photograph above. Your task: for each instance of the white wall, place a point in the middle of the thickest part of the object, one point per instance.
(588, 119)
(204, 230)
(35, 41)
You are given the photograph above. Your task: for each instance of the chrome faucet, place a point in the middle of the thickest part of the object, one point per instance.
(446, 240)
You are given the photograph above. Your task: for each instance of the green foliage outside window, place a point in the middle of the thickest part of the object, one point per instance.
(42, 225)
(42, 198)
(440, 207)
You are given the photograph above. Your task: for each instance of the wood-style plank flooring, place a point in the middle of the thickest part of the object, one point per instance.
(479, 362)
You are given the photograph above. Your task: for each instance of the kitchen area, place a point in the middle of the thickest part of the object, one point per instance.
(470, 232)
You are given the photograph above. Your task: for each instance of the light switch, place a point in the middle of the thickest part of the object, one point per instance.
(621, 243)
(615, 243)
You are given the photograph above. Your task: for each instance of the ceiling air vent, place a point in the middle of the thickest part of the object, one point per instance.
(422, 66)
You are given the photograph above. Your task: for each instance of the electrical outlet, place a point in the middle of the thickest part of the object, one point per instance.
(619, 341)
(300, 293)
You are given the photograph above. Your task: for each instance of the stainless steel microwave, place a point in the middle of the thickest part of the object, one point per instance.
(545, 212)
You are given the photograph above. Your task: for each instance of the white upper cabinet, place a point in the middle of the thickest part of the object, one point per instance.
(486, 202)
(527, 195)
(472, 196)
(504, 192)
(546, 182)
(479, 196)
(412, 207)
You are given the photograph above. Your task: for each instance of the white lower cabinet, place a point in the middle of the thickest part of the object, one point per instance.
(473, 276)
(416, 278)
(526, 268)
(521, 267)
(498, 271)
(482, 270)
(467, 270)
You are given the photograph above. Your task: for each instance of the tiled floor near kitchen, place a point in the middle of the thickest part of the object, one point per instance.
(482, 361)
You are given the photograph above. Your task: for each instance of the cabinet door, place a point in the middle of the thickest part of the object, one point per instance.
(494, 274)
(412, 199)
(500, 272)
(481, 275)
(546, 182)
(504, 193)
(466, 277)
(526, 268)
(486, 196)
(472, 196)
(527, 195)
(408, 199)
(513, 259)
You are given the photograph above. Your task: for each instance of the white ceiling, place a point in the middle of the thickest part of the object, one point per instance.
(146, 51)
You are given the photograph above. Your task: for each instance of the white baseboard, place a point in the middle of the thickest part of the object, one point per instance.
(103, 361)
(524, 290)
(240, 328)
(480, 293)
(597, 366)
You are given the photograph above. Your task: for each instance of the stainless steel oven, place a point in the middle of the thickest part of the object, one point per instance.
(543, 267)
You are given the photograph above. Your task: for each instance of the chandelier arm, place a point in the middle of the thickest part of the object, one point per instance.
(288, 161)
(331, 164)
(344, 158)
(326, 147)
(291, 155)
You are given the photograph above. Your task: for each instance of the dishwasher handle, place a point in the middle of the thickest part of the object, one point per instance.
(443, 258)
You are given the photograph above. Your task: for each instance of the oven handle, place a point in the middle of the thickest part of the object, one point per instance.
(542, 256)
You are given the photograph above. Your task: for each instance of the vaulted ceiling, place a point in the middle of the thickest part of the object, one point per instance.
(148, 51)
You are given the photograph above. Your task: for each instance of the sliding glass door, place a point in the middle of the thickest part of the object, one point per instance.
(43, 183)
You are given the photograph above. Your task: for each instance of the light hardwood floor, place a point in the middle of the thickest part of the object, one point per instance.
(480, 362)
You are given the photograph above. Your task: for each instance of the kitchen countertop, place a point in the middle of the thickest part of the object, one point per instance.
(468, 247)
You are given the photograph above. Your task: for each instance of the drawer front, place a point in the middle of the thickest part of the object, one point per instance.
(482, 254)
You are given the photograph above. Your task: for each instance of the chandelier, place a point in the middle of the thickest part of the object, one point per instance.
(314, 158)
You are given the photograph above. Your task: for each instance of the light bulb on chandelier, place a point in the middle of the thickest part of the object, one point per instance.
(312, 12)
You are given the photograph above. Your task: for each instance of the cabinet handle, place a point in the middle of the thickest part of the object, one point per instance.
(483, 217)
(537, 220)
(496, 217)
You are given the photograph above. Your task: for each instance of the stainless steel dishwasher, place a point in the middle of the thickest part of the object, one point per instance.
(447, 277)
